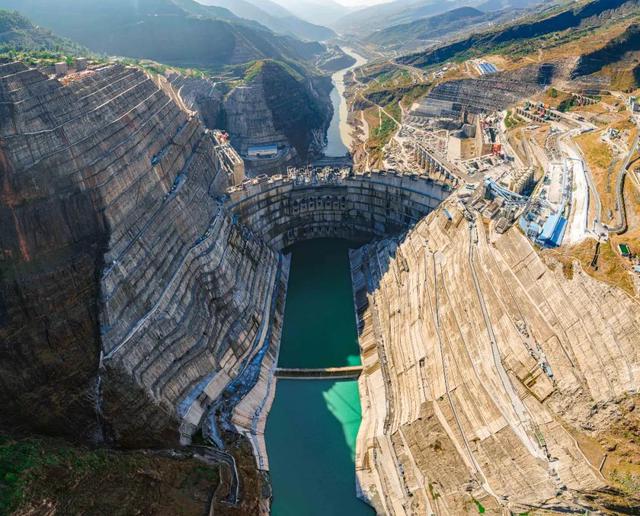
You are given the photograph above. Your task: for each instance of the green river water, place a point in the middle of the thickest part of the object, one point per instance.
(312, 426)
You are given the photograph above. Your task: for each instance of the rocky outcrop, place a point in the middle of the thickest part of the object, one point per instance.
(278, 108)
(485, 372)
(132, 305)
(202, 95)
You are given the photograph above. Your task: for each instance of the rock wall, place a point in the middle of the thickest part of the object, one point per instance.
(483, 370)
(274, 107)
(490, 93)
(130, 301)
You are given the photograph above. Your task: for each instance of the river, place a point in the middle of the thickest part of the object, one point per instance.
(339, 133)
(312, 427)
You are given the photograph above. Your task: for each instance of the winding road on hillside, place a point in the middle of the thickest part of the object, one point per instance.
(620, 205)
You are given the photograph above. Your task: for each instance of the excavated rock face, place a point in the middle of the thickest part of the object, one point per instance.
(202, 95)
(275, 107)
(486, 373)
(297, 108)
(494, 92)
(129, 299)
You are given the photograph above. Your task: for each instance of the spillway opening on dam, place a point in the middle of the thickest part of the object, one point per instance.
(312, 427)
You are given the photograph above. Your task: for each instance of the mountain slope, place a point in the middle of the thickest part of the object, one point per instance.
(382, 16)
(613, 52)
(276, 19)
(427, 28)
(398, 12)
(181, 32)
(18, 33)
(533, 27)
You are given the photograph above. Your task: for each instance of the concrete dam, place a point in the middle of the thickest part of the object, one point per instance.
(130, 227)
(307, 204)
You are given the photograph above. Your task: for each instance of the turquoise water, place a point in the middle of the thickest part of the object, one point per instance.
(312, 427)
(311, 436)
(319, 321)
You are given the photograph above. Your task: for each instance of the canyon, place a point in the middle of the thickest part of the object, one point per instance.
(142, 293)
(385, 339)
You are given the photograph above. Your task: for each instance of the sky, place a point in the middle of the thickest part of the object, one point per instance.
(361, 2)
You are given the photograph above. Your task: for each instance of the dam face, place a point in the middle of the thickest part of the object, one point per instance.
(305, 205)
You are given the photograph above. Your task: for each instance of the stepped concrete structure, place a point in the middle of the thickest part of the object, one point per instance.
(333, 204)
(130, 299)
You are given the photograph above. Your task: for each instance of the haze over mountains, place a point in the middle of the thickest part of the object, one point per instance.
(326, 12)
(175, 32)
(425, 29)
(274, 17)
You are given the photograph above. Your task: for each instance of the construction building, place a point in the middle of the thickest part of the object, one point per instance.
(262, 151)
(472, 140)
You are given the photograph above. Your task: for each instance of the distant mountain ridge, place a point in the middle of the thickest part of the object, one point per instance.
(325, 12)
(427, 28)
(175, 32)
(274, 17)
(382, 16)
(558, 20)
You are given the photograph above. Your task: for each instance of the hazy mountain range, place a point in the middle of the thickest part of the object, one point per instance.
(378, 17)
(175, 32)
(274, 17)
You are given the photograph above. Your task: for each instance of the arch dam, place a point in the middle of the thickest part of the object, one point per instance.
(331, 203)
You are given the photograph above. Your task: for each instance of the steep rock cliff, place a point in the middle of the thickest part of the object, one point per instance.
(130, 301)
(277, 106)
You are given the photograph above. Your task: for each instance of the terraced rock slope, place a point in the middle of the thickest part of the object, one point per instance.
(129, 299)
(491, 382)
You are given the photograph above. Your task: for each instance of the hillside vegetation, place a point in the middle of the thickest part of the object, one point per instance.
(48, 476)
(613, 52)
(528, 30)
(175, 32)
(276, 19)
(428, 28)
(17, 33)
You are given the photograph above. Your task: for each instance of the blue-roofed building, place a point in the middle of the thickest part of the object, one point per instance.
(553, 231)
(486, 68)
